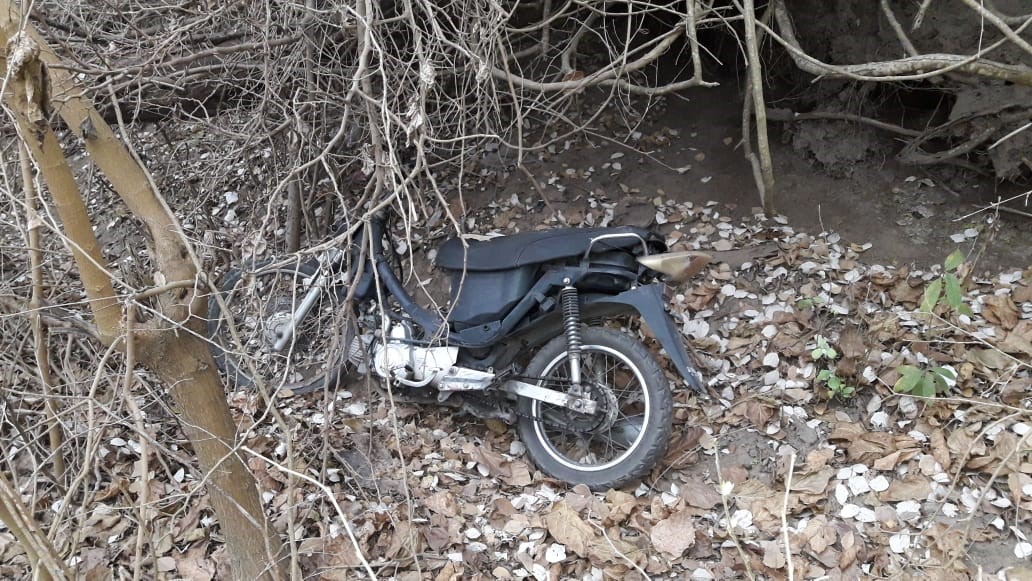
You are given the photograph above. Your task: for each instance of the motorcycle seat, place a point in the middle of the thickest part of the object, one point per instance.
(528, 248)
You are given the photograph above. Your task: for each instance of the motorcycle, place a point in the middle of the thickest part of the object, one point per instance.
(523, 341)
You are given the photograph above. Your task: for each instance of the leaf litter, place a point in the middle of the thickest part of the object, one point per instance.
(883, 484)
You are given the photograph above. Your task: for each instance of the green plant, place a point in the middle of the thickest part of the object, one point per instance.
(923, 382)
(928, 382)
(947, 286)
(837, 387)
(809, 303)
(823, 350)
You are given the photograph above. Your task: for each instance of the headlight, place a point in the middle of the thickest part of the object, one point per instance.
(678, 266)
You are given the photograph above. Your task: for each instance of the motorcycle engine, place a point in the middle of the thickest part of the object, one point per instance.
(398, 358)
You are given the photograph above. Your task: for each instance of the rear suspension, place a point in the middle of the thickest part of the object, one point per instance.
(572, 328)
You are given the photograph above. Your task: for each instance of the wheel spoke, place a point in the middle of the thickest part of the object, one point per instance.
(605, 437)
(262, 307)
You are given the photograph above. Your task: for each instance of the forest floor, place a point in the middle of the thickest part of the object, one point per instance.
(882, 485)
(867, 484)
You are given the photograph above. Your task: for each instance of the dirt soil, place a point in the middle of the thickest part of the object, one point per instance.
(687, 151)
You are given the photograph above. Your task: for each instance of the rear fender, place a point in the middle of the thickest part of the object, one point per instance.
(647, 300)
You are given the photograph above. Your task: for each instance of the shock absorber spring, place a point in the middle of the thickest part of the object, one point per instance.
(572, 328)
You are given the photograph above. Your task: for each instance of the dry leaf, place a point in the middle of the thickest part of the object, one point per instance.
(871, 446)
(194, 564)
(851, 342)
(442, 502)
(520, 474)
(567, 528)
(815, 483)
(699, 494)
(911, 487)
(937, 443)
(756, 411)
(616, 550)
(495, 463)
(674, 535)
(405, 542)
(961, 443)
(620, 505)
(991, 358)
(819, 458)
(1016, 344)
(1016, 390)
(773, 556)
(1001, 310)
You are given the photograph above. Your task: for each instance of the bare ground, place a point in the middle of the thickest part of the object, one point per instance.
(907, 214)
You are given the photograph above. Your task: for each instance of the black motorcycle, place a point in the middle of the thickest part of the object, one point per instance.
(523, 339)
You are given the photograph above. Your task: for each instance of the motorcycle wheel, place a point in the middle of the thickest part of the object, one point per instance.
(625, 437)
(261, 301)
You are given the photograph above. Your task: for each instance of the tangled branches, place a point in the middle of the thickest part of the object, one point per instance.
(396, 90)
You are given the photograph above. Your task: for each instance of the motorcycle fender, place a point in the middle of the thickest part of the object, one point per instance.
(648, 301)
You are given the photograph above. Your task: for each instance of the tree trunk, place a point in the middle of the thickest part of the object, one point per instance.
(171, 345)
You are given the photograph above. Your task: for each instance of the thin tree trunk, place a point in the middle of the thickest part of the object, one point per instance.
(39, 329)
(759, 106)
(43, 558)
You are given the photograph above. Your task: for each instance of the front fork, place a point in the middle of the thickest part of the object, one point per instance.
(285, 335)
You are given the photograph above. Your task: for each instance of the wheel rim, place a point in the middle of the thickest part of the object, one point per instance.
(612, 441)
(261, 306)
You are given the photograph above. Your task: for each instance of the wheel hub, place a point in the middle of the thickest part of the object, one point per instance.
(604, 416)
(276, 325)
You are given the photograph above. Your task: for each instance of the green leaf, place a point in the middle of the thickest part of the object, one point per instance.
(823, 349)
(907, 381)
(931, 296)
(965, 310)
(954, 295)
(824, 375)
(954, 260)
(835, 382)
(908, 370)
(926, 387)
(941, 376)
(909, 377)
